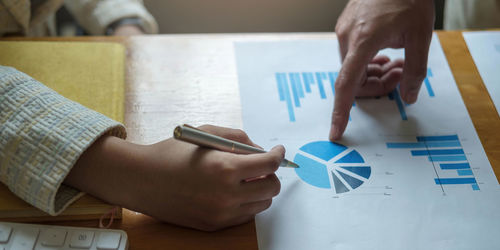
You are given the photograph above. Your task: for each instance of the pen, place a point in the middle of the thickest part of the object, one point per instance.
(201, 138)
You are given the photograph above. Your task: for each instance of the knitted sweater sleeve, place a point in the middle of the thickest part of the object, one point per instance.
(42, 135)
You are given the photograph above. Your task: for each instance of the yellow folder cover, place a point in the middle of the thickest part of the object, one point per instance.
(91, 74)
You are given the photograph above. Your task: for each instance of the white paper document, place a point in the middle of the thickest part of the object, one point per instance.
(403, 176)
(484, 46)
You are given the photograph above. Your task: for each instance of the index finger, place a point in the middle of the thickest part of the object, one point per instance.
(349, 80)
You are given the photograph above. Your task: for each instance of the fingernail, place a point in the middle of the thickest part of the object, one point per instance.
(279, 146)
(334, 133)
(411, 97)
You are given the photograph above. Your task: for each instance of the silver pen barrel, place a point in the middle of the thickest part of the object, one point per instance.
(193, 135)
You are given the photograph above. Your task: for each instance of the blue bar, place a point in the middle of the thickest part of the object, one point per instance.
(448, 158)
(295, 79)
(446, 166)
(438, 138)
(319, 77)
(308, 80)
(428, 83)
(281, 78)
(401, 107)
(475, 186)
(463, 172)
(280, 87)
(448, 181)
(333, 77)
(440, 144)
(429, 87)
(295, 92)
(438, 152)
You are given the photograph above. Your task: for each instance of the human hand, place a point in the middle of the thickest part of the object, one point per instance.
(181, 183)
(127, 30)
(364, 28)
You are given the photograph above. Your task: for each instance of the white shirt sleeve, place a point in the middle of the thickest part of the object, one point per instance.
(96, 15)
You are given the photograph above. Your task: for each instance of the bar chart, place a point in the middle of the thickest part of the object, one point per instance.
(294, 87)
(446, 155)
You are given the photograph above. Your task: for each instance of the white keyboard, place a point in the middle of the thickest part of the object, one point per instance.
(20, 236)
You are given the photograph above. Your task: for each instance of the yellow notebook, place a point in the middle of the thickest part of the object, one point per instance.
(91, 74)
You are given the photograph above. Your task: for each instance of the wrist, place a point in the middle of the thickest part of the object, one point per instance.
(106, 170)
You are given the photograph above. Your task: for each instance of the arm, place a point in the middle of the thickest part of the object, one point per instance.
(42, 135)
(364, 28)
(46, 139)
(179, 182)
(97, 15)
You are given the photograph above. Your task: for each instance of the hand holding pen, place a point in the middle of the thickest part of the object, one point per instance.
(201, 138)
(211, 189)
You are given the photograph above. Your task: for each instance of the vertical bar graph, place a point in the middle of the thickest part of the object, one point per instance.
(447, 157)
(294, 86)
(285, 94)
(320, 76)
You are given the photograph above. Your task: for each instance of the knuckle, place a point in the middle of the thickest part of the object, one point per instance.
(240, 135)
(223, 170)
(274, 162)
(216, 164)
(206, 127)
(342, 85)
(227, 173)
(340, 31)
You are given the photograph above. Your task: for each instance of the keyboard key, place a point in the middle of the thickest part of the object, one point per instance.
(24, 238)
(53, 237)
(108, 241)
(82, 239)
(20, 236)
(4, 233)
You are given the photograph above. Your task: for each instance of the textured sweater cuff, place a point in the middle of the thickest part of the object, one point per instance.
(42, 135)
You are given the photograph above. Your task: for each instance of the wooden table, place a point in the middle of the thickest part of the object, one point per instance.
(173, 79)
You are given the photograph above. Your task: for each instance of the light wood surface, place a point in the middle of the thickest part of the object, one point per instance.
(173, 79)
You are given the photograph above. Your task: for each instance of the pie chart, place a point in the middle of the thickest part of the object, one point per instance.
(330, 165)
